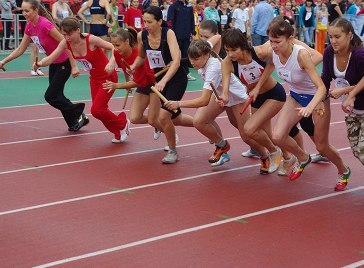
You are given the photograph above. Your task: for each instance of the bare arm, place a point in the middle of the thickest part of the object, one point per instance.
(201, 101)
(226, 70)
(55, 54)
(307, 64)
(82, 9)
(141, 54)
(18, 51)
(54, 13)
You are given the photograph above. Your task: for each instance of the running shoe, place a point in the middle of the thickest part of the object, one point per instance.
(33, 73)
(286, 166)
(264, 165)
(342, 180)
(275, 160)
(219, 152)
(319, 158)
(223, 159)
(250, 153)
(171, 157)
(298, 169)
(156, 134)
(39, 72)
(166, 148)
(124, 133)
(81, 122)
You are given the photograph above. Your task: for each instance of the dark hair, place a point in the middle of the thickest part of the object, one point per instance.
(199, 1)
(156, 12)
(209, 25)
(347, 27)
(281, 26)
(126, 34)
(198, 48)
(70, 24)
(42, 11)
(234, 38)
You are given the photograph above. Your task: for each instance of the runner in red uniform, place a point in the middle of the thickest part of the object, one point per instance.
(88, 49)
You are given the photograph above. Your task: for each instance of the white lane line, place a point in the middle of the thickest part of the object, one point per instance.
(71, 200)
(355, 264)
(100, 158)
(196, 228)
(71, 135)
(130, 189)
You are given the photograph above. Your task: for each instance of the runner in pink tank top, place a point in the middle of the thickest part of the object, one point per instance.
(89, 51)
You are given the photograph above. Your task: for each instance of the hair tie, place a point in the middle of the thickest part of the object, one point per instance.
(286, 20)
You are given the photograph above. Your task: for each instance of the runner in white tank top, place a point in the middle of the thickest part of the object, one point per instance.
(209, 68)
(280, 34)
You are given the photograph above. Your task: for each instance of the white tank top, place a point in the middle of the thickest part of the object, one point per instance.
(296, 78)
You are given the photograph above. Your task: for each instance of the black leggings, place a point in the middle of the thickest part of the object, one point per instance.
(306, 124)
(58, 76)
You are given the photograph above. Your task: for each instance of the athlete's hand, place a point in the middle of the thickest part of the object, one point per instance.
(2, 64)
(254, 93)
(337, 92)
(109, 68)
(348, 104)
(160, 85)
(171, 105)
(109, 86)
(304, 111)
(223, 100)
(75, 71)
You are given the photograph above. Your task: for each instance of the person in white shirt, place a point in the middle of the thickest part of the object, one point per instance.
(240, 17)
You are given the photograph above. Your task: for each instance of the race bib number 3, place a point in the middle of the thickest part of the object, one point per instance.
(155, 59)
(251, 74)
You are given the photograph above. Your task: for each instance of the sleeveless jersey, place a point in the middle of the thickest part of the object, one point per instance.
(94, 61)
(96, 8)
(249, 73)
(297, 79)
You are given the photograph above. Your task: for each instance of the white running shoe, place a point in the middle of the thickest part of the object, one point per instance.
(39, 72)
(124, 133)
(275, 160)
(286, 166)
(319, 158)
(166, 148)
(170, 158)
(33, 73)
(250, 153)
(156, 134)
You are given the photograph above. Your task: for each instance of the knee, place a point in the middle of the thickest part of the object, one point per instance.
(135, 119)
(249, 131)
(278, 139)
(96, 112)
(198, 124)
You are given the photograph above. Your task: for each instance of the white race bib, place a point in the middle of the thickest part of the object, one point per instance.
(324, 21)
(285, 75)
(251, 73)
(36, 41)
(224, 19)
(65, 14)
(340, 83)
(87, 66)
(138, 23)
(155, 59)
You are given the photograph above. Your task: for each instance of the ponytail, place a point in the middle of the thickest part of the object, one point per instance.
(126, 34)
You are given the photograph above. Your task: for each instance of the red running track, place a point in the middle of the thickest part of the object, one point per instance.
(79, 201)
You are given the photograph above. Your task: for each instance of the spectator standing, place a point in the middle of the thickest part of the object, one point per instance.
(262, 16)
(336, 9)
(180, 18)
(211, 12)
(133, 16)
(61, 10)
(240, 17)
(75, 6)
(6, 18)
(225, 16)
(308, 22)
(322, 23)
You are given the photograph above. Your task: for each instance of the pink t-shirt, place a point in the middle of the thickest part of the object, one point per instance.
(41, 38)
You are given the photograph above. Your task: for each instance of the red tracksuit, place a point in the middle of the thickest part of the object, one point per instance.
(95, 61)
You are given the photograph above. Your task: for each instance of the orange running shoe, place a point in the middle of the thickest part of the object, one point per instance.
(219, 152)
(264, 165)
